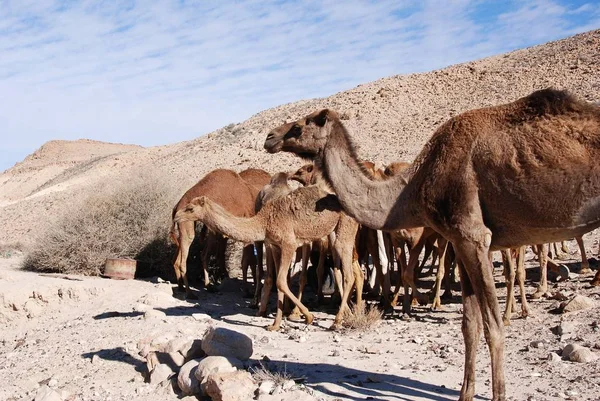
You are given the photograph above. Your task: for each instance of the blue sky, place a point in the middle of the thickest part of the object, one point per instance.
(157, 72)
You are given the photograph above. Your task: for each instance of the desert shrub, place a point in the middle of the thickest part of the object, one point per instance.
(124, 216)
(362, 317)
(261, 374)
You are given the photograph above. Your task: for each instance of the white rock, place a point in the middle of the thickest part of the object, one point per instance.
(266, 387)
(186, 379)
(154, 314)
(579, 302)
(569, 349)
(537, 344)
(566, 328)
(33, 308)
(177, 344)
(160, 373)
(288, 385)
(554, 357)
(201, 316)
(225, 342)
(215, 364)
(177, 358)
(45, 393)
(230, 386)
(582, 355)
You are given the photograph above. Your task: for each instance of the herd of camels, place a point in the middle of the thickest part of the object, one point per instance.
(492, 179)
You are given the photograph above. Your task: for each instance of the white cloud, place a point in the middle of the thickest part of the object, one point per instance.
(155, 72)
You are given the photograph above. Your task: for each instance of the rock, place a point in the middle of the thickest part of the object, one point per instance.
(566, 328)
(418, 340)
(215, 364)
(569, 349)
(177, 358)
(186, 379)
(177, 344)
(288, 385)
(553, 357)
(225, 342)
(582, 355)
(154, 314)
(192, 350)
(201, 316)
(95, 358)
(160, 373)
(45, 393)
(266, 387)
(230, 386)
(537, 344)
(161, 342)
(579, 302)
(33, 308)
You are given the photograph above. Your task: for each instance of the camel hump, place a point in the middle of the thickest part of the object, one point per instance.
(551, 102)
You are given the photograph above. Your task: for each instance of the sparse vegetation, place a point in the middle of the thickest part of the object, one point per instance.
(362, 317)
(124, 216)
(262, 374)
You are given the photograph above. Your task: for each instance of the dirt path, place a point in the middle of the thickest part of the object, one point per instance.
(81, 337)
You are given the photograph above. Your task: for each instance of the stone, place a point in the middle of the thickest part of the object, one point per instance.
(288, 385)
(161, 342)
(230, 386)
(266, 387)
(45, 393)
(33, 308)
(568, 349)
(160, 373)
(201, 317)
(154, 314)
(215, 364)
(553, 357)
(177, 344)
(177, 358)
(582, 355)
(537, 344)
(186, 379)
(566, 328)
(228, 343)
(579, 302)
(192, 350)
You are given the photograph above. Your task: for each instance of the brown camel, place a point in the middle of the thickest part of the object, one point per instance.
(304, 215)
(223, 186)
(492, 178)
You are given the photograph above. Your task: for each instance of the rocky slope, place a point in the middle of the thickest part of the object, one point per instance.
(390, 119)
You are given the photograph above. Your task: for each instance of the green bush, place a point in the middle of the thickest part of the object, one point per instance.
(123, 216)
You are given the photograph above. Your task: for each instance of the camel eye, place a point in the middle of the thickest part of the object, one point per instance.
(294, 132)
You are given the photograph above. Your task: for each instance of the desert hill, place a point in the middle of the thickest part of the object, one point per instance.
(390, 119)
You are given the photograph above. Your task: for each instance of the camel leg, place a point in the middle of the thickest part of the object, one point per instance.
(479, 279)
(259, 273)
(585, 265)
(402, 266)
(543, 258)
(343, 248)
(437, 289)
(359, 280)
(287, 255)
(509, 275)
(429, 251)
(471, 328)
(186, 237)
(295, 315)
(383, 270)
(408, 278)
(521, 281)
(272, 257)
(320, 272)
(248, 262)
(564, 246)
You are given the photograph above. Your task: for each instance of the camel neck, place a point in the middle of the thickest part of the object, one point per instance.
(376, 204)
(243, 229)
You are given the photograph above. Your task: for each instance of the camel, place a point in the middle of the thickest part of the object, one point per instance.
(304, 215)
(225, 187)
(488, 179)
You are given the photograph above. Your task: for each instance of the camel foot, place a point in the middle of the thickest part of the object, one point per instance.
(538, 294)
(437, 305)
(254, 304)
(308, 319)
(596, 281)
(525, 314)
(273, 327)
(335, 326)
(585, 271)
(261, 313)
(506, 321)
(421, 299)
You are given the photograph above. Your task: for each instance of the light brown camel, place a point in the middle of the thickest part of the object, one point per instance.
(492, 178)
(229, 190)
(304, 215)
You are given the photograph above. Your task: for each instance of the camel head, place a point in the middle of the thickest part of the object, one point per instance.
(305, 137)
(395, 168)
(279, 179)
(193, 211)
(305, 175)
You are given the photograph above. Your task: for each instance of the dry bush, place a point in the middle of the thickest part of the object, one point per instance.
(261, 374)
(361, 317)
(128, 215)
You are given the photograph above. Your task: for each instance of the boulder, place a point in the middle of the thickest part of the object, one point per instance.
(192, 350)
(229, 343)
(582, 355)
(230, 386)
(187, 381)
(579, 302)
(215, 364)
(160, 373)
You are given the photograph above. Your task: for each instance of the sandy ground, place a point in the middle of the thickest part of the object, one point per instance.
(80, 336)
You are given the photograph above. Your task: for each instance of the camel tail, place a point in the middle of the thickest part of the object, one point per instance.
(174, 231)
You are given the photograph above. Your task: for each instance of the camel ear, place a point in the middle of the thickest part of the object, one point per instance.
(202, 201)
(322, 118)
